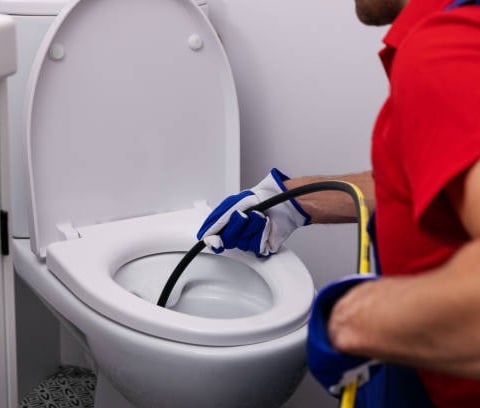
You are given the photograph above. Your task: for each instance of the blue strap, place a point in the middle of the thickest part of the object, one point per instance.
(373, 239)
(459, 3)
(394, 386)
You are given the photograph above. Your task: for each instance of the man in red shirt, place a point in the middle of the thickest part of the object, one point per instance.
(425, 189)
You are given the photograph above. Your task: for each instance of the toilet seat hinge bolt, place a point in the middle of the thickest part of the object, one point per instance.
(195, 42)
(56, 52)
(67, 231)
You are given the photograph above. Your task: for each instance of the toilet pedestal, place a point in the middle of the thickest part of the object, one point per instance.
(106, 396)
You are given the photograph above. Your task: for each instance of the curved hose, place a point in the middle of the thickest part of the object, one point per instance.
(333, 185)
(363, 263)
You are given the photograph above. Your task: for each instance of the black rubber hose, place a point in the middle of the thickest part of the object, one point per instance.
(264, 205)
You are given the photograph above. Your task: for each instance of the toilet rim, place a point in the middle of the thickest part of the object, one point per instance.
(86, 266)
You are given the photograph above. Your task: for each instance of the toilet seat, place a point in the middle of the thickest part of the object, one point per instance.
(87, 266)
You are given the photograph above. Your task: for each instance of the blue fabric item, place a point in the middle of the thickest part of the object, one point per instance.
(233, 225)
(244, 232)
(459, 3)
(390, 386)
(393, 386)
(372, 233)
(327, 364)
(280, 178)
(224, 206)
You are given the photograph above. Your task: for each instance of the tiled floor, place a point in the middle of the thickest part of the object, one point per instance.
(70, 387)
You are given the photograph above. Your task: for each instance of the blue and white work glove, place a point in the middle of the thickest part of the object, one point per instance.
(333, 369)
(228, 226)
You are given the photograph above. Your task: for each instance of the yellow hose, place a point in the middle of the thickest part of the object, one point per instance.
(348, 395)
(350, 391)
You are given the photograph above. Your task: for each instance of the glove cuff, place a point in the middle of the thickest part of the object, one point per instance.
(279, 178)
(326, 363)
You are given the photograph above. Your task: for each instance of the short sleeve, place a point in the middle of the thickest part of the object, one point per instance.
(435, 89)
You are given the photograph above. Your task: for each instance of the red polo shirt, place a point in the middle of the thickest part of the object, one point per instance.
(427, 132)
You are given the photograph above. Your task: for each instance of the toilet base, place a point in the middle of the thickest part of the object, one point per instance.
(106, 396)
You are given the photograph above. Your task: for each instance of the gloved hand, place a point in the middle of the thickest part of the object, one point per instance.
(228, 226)
(330, 367)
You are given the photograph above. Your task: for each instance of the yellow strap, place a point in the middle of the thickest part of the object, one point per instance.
(348, 396)
(350, 391)
(364, 239)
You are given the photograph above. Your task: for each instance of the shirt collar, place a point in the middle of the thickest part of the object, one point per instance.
(409, 17)
(413, 13)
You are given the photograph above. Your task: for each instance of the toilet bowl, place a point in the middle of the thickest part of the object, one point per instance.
(247, 353)
(131, 127)
(99, 269)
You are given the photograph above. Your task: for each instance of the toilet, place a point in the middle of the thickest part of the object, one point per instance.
(131, 134)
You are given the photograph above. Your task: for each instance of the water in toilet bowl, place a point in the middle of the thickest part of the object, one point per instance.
(213, 286)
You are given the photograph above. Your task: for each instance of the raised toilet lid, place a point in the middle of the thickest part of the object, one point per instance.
(131, 110)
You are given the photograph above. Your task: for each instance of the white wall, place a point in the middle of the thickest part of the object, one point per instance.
(310, 84)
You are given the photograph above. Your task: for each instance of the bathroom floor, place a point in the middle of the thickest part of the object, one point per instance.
(70, 387)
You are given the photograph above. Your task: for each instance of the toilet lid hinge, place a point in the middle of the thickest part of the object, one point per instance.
(68, 231)
(203, 4)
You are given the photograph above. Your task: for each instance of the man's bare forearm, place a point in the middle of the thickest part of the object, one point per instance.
(334, 206)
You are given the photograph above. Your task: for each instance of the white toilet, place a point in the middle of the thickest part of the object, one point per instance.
(131, 127)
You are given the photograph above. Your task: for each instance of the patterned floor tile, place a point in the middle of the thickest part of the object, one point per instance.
(70, 387)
